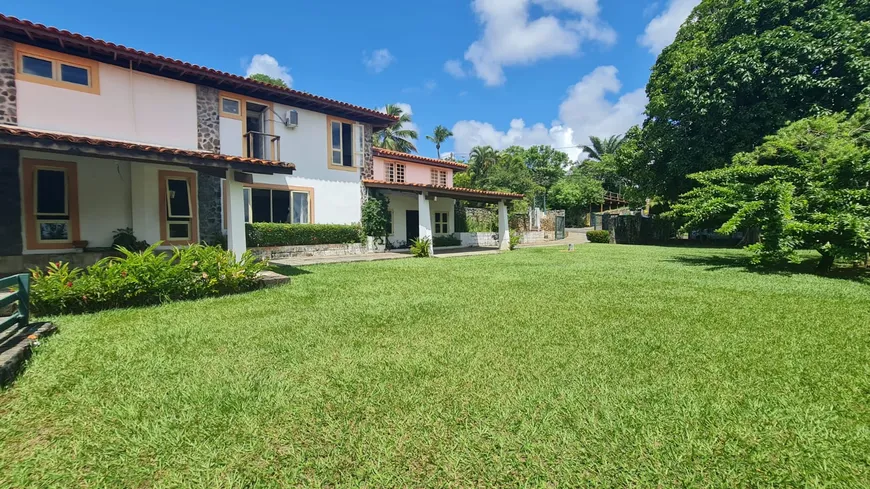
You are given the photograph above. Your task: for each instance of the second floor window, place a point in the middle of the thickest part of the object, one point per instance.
(439, 177)
(345, 144)
(57, 69)
(394, 173)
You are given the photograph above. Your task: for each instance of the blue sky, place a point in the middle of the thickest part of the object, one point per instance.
(496, 72)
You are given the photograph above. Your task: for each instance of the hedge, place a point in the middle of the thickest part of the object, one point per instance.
(279, 234)
(598, 236)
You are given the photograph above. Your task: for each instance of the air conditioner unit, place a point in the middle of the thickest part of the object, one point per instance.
(291, 119)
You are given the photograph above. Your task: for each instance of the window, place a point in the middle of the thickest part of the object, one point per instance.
(231, 107)
(50, 204)
(394, 172)
(345, 144)
(439, 177)
(441, 223)
(178, 208)
(57, 69)
(280, 204)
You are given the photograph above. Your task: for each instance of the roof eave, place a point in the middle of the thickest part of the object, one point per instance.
(65, 41)
(154, 157)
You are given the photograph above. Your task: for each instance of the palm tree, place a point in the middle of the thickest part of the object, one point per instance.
(601, 147)
(483, 158)
(395, 137)
(440, 135)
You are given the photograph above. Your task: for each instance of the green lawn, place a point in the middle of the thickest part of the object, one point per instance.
(610, 366)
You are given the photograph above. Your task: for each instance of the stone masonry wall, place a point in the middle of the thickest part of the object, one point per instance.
(307, 251)
(208, 187)
(10, 204)
(208, 122)
(368, 169)
(8, 95)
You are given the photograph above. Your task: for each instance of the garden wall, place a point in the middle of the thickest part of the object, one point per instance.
(302, 251)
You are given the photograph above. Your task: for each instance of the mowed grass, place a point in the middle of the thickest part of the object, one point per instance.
(610, 366)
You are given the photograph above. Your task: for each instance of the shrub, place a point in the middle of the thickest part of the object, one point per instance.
(514, 240)
(124, 238)
(376, 216)
(420, 247)
(598, 236)
(280, 234)
(448, 240)
(142, 278)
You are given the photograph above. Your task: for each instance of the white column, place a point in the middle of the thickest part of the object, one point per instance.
(504, 234)
(425, 219)
(235, 215)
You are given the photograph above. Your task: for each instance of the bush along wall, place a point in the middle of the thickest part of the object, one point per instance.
(598, 236)
(141, 279)
(264, 234)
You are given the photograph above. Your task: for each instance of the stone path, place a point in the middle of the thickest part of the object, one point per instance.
(574, 236)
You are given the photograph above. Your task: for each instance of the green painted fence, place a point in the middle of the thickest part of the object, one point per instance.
(21, 296)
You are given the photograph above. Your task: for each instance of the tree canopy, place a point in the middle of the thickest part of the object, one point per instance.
(268, 79)
(806, 187)
(741, 70)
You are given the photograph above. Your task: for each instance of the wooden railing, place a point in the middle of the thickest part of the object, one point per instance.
(614, 197)
(22, 296)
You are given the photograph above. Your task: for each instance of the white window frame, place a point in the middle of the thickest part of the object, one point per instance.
(394, 172)
(230, 114)
(249, 190)
(358, 143)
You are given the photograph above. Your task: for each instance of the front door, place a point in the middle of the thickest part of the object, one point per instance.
(412, 225)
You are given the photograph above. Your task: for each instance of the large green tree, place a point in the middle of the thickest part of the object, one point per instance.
(807, 186)
(438, 136)
(396, 137)
(546, 166)
(742, 69)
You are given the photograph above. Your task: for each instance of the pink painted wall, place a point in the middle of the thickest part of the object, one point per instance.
(414, 172)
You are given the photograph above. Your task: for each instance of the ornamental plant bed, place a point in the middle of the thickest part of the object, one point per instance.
(143, 278)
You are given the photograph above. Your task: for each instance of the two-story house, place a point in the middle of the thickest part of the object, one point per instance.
(96, 137)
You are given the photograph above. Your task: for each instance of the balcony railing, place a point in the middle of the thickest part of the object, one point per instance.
(262, 145)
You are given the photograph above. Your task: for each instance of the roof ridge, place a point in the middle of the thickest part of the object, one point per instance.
(108, 44)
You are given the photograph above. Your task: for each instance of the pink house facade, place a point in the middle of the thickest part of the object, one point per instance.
(422, 196)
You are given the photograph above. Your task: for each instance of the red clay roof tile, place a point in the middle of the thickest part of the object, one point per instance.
(487, 193)
(418, 159)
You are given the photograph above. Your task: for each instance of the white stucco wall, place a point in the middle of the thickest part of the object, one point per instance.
(402, 202)
(231, 136)
(145, 199)
(141, 108)
(334, 202)
(104, 196)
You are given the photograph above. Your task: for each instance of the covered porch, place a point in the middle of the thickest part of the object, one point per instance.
(426, 211)
(64, 196)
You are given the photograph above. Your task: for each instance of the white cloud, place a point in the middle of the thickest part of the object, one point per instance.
(430, 85)
(406, 108)
(584, 112)
(510, 37)
(662, 30)
(267, 65)
(454, 68)
(378, 60)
